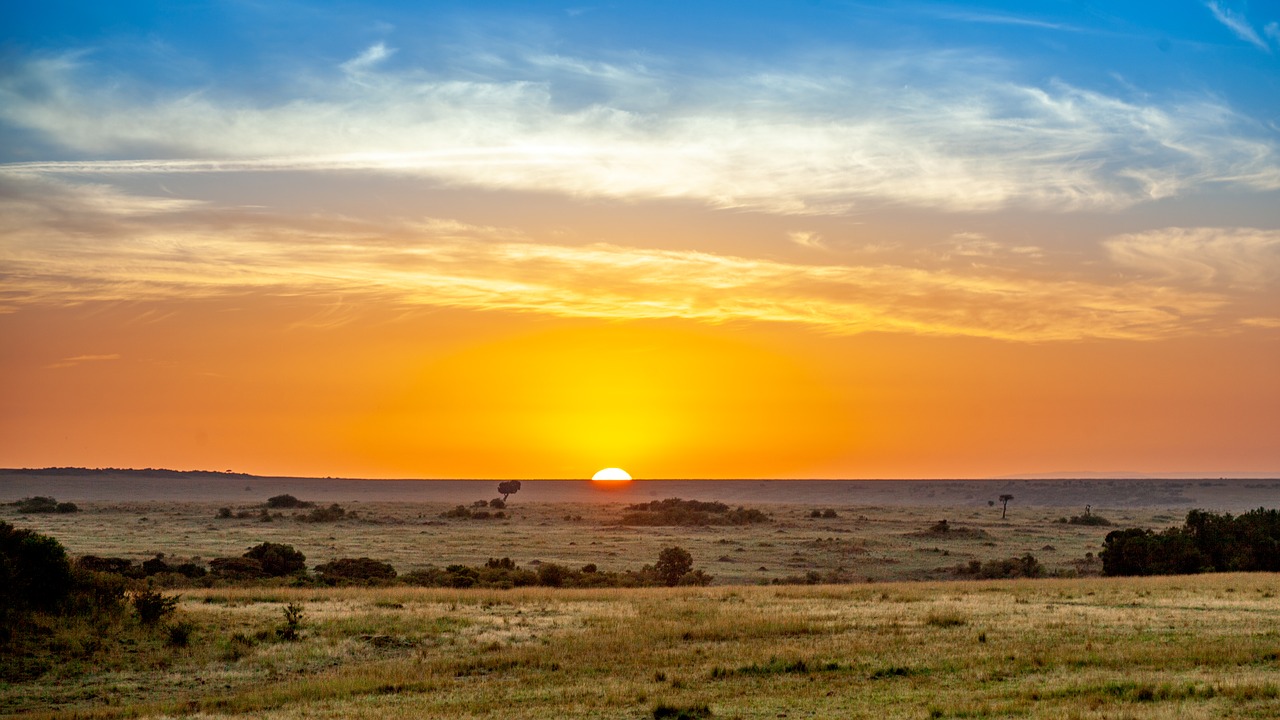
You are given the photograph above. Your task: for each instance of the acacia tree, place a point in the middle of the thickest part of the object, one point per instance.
(508, 487)
(1004, 499)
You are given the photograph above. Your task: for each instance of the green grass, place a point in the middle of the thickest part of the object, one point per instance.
(1088, 648)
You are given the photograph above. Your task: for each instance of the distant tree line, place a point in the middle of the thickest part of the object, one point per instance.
(1206, 542)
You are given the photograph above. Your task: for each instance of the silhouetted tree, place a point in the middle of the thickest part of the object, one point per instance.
(1004, 499)
(508, 487)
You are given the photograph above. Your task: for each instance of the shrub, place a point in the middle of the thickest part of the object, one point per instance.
(237, 568)
(363, 570)
(191, 570)
(673, 563)
(155, 565)
(674, 511)
(224, 513)
(1026, 566)
(35, 573)
(333, 513)
(461, 511)
(37, 504)
(552, 575)
(1207, 542)
(461, 576)
(292, 623)
(664, 711)
(66, 507)
(152, 606)
(278, 559)
(114, 565)
(1089, 519)
(498, 504)
(180, 634)
(287, 502)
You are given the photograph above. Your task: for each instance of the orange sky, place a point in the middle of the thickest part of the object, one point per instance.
(258, 384)
(729, 240)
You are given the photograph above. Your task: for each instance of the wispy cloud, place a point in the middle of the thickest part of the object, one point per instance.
(367, 60)
(940, 131)
(806, 239)
(1238, 24)
(445, 263)
(77, 360)
(1235, 258)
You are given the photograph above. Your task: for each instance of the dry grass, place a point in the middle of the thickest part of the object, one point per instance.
(863, 543)
(1085, 648)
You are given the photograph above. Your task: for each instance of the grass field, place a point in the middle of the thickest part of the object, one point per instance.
(877, 543)
(1185, 647)
(1188, 647)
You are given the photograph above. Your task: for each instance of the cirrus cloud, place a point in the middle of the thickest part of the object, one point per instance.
(940, 130)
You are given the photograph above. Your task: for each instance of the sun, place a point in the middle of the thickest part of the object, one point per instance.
(612, 475)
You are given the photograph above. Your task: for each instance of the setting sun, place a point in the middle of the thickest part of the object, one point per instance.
(611, 474)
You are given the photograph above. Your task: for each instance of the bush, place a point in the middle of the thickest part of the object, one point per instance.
(237, 568)
(35, 573)
(155, 565)
(674, 511)
(333, 513)
(180, 634)
(37, 504)
(498, 504)
(1089, 519)
(285, 502)
(1026, 566)
(292, 623)
(278, 559)
(1207, 542)
(365, 571)
(152, 606)
(673, 563)
(224, 513)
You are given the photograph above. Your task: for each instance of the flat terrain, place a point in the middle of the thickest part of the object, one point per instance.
(1181, 647)
(873, 646)
(862, 543)
(881, 531)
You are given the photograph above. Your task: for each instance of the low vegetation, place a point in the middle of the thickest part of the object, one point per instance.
(1206, 542)
(674, 511)
(44, 504)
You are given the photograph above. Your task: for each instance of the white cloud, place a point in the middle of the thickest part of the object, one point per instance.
(445, 263)
(936, 131)
(1237, 23)
(1273, 31)
(1244, 259)
(367, 60)
(806, 239)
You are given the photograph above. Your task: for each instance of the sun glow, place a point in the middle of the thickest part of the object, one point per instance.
(612, 475)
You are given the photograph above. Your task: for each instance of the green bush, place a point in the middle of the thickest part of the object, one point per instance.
(152, 606)
(364, 571)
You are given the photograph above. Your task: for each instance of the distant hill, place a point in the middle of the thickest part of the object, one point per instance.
(1122, 475)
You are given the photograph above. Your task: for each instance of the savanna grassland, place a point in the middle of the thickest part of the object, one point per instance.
(861, 543)
(1186, 647)
(871, 620)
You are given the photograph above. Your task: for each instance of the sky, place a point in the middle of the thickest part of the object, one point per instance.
(691, 240)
